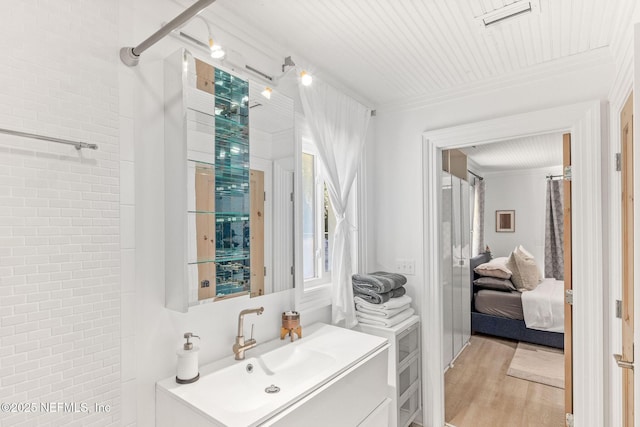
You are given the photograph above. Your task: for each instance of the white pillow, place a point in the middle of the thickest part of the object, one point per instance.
(493, 269)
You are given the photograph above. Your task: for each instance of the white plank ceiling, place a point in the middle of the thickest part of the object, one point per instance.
(388, 51)
(540, 151)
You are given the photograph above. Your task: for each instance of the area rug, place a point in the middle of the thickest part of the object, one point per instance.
(539, 364)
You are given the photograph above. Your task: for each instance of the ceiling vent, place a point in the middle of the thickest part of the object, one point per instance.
(513, 10)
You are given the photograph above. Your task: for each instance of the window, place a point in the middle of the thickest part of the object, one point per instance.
(315, 225)
(318, 222)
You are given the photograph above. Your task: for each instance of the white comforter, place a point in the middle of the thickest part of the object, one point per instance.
(543, 307)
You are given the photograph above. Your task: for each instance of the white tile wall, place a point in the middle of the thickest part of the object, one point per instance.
(127, 225)
(59, 212)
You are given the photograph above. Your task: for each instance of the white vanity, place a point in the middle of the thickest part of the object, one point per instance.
(331, 377)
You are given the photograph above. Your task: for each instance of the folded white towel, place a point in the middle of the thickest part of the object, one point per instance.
(381, 312)
(392, 303)
(367, 319)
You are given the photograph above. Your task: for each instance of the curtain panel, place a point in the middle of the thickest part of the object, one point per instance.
(554, 231)
(338, 125)
(478, 218)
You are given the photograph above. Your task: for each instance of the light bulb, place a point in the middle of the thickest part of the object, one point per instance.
(216, 50)
(217, 54)
(306, 78)
(267, 92)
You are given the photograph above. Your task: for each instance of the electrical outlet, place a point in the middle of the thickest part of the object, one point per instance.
(409, 267)
(406, 266)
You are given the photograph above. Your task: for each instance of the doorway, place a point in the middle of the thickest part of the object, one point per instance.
(583, 121)
(514, 366)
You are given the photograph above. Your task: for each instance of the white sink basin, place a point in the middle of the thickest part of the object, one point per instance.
(286, 365)
(234, 393)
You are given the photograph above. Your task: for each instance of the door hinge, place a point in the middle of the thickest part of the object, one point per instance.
(265, 270)
(568, 296)
(291, 196)
(265, 196)
(618, 162)
(293, 271)
(567, 173)
(569, 420)
(619, 309)
(624, 364)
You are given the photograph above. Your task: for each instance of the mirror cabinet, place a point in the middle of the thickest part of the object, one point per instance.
(228, 185)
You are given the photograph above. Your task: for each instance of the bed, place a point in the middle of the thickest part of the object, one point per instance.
(501, 314)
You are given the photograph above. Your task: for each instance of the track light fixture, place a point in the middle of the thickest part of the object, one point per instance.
(288, 62)
(267, 92)
(305, 78)
(216, 50)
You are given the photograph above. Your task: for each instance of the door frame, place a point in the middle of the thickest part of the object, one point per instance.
(636, 212)
(588, 328)
(568, 276)
(634, 80)
(627, 311)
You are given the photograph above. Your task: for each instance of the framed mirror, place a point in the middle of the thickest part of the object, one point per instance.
(229, 179)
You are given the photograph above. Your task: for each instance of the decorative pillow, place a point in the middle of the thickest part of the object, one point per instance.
(520, 250)
(493, 269)
(495, 284)
(525, 275)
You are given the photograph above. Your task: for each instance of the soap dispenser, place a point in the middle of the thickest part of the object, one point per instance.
(188, 361)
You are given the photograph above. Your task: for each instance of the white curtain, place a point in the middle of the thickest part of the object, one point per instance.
(338, 124)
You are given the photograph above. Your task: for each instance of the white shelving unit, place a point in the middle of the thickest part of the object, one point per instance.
(404, 376)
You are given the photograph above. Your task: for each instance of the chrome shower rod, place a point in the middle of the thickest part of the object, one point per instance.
(131, 55)
(76, 144)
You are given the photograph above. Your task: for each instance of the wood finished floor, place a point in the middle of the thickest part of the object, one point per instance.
(479, 393)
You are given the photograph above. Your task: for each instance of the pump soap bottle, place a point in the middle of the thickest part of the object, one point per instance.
(188, 361)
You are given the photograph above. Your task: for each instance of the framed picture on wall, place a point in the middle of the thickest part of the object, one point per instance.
(505, 221)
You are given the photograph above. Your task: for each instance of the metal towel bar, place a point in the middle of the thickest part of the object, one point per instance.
(79, 145)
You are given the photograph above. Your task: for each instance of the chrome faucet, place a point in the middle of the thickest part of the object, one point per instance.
(241, 345)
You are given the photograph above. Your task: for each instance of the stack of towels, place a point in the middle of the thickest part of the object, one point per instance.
(380, 298)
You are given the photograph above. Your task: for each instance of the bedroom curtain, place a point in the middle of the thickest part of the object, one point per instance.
(338, 124)
(554, 232)
(478, 218)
